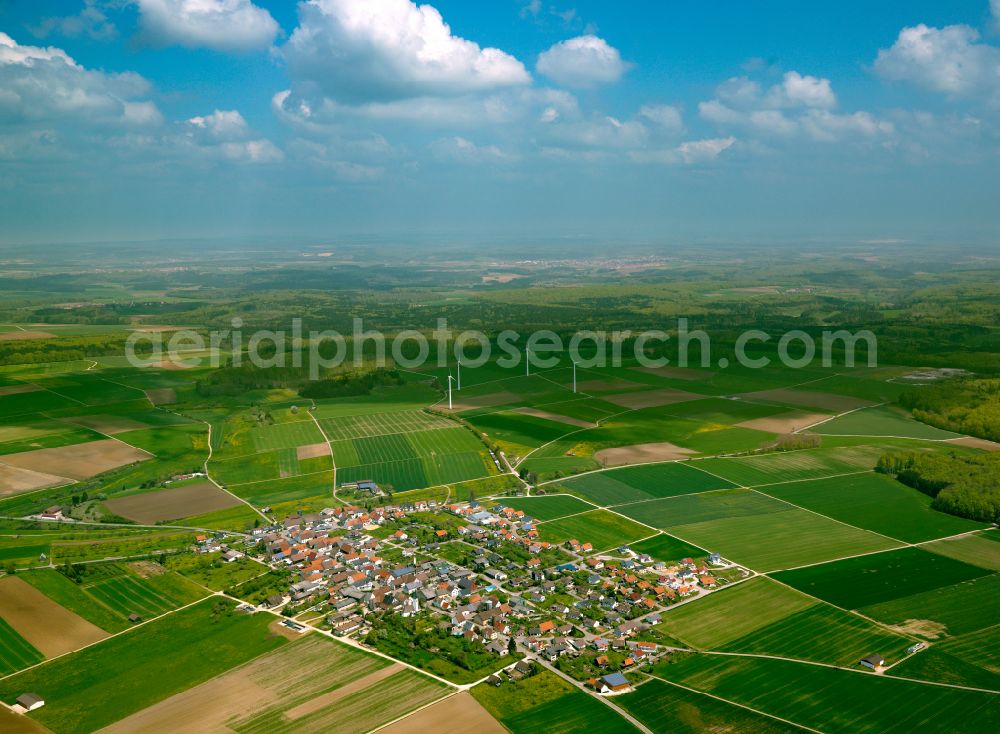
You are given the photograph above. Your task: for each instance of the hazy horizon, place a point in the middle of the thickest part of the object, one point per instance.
(151, 120)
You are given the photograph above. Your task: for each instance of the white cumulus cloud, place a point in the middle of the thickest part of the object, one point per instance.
(948, 60)
(361, 51)
(45, 83)
(667, 117)
(225, 25)
(806, 91)
(584, 61)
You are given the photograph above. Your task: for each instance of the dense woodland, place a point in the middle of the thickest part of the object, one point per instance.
(969, 406)
(967, 485)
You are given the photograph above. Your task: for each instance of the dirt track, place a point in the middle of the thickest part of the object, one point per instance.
(52, 629)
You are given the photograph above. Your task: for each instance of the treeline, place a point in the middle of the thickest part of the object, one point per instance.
(963, 485)
(246, 377)
(66, 349)
(351, 383)
(970, 406)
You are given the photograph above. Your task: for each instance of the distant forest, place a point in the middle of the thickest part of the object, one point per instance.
(970, 406)
(964, 485)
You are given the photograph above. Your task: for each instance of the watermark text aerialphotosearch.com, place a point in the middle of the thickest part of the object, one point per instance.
(410, 349)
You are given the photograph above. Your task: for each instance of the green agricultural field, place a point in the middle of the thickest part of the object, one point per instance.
(780, 539)
(73, 596)
(379, 424)
(953, 609)
(979, 549)
(724, 616)
(722, 411)
(874, 502)
(273, 491)
(650, 481)
(600, 528)
(286, 435)
(23, 551)
(786, 466)
(823, 634)
(547, 508)
(665, 547)
(967, 660)
(832, 700)
(252, 468)
(148, 597)
(120, 547)
(413, 396)
(26, 403)
(853, 583)
(881, 421)
(211, 571)
(413, 460)
(103, 683)
(666, 708)
(699, 508)
(520, 430)
(16, 652)
(546, 704)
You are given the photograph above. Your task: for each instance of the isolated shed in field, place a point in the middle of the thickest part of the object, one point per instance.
(30, 701)
(134, 618)
(873, 661)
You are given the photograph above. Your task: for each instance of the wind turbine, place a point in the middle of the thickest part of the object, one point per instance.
(450, 378)
(459, 374)
(574, 377)
(527, 361)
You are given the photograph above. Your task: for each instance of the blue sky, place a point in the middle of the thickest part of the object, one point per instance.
(666, 122)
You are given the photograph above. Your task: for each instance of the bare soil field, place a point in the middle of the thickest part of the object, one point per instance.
(456, 714)
(81, 460)
(485, 401)
(554, 417)
(11, 723)
(170, 504)
(14, 336)
(52, 629)
(678, 373)
(785, 422)
(108, 424)
(162, 396)
(18, 389)
(822, 400)
(315, 704)
(14, 480)
(976, 443)
(651, 398)
(641, 453)
(312, 451)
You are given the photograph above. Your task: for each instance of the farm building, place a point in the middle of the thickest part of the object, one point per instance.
(616, 682)
(134, 618)
(873, 661)
(30, 701)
